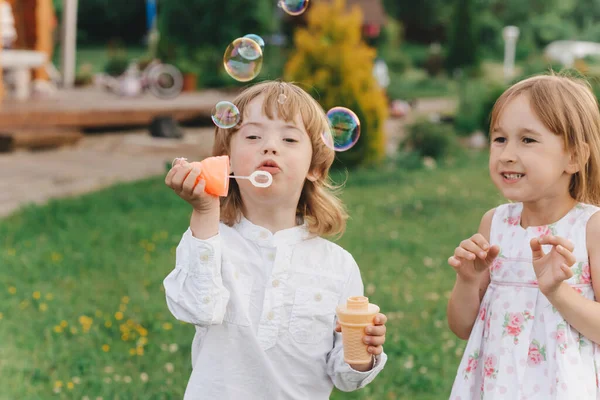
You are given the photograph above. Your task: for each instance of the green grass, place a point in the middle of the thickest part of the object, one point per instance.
(109, 251)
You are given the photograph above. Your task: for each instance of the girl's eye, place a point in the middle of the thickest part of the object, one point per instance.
(499, 140)
(290, 140)
(251, 137)
(529, 140)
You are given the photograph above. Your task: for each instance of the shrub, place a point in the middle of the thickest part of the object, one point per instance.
(331, 58)
(429, 139)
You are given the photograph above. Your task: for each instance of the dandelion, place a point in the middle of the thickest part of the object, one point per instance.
(122, 307)
(142, 331)
(76, 380)
(43, 307)
(58, 329)
(410, 363)
(98, 313)
(167, 326)
(144, 377)
(125, 300)
(164, 347)
(142, 341)
(70, 385)
(107, 380)
(105, 348)
(49, 296)
(132, 352)
(139, 351)
(370, 289)
(423, 370)
(73, 330)
(12, 290)
(56, 390)
(37, 295)
(127, 379)
(24, 304)
(56, 257)
(108, 323)
(125, 337)
(58, 384)
(64, 324)
(173, 347)
(85, 398)
(11, 252)
(118, 315)
(169, 367)
(108, 370)
(117, 378)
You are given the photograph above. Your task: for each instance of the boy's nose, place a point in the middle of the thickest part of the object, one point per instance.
(268, 150)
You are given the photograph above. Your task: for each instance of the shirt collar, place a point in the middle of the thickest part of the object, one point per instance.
(264, 237)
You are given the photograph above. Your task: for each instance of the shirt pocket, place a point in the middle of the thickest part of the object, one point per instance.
(240, 284)
(313, 314)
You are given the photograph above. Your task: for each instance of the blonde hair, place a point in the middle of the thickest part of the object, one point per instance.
(568, 108)
(319, 206)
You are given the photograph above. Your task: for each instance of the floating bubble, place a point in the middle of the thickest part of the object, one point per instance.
(345, 128)
(257, 39)
(243, 59)
(225, 115)
(293, 7)
(281, 98)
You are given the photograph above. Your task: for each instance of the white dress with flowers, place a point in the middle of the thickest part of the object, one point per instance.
(520, 346)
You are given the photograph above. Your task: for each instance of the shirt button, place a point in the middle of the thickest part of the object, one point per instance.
(275, 283)
(318, 297)
(271, 256)
(270, 315)
(204, 257)
(206, 300)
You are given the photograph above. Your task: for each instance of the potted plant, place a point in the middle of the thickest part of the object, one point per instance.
(190, 74)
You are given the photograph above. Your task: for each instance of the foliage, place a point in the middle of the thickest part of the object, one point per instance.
(331, 58)
(429, 139)
(476, 100)
(463, 50)
(201, 30)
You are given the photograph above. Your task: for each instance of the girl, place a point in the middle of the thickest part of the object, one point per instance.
(525, 296)
(261, 285)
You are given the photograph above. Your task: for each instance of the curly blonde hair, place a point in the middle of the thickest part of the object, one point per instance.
(567, 107)
(319, 205)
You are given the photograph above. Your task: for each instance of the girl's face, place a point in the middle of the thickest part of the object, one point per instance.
(282, 148)
(528, 162)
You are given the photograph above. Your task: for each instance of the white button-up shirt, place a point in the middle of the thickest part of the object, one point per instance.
(264, 309)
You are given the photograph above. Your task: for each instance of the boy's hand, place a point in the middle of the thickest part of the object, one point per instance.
(182, 179)
(555, 267)
(374, 337)
(473, 256)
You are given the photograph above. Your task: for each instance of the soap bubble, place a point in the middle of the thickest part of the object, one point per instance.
(225, 115)
(243, 59)
(293, 7)
(257, 39)
(345, 128)
(281, 98)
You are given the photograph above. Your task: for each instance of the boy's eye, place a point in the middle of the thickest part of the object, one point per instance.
(290, 140)
(499, 140)
(529, 140)
(251, 137)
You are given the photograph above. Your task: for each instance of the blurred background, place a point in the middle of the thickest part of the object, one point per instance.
(87, 132)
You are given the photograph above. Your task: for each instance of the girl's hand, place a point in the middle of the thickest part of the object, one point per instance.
(472, 257)
(555, 267)
(374, 338)
(182, 179)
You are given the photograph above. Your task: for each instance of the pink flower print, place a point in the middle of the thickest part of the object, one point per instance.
(578, 290)
(560, 335)
(585, 275)
(514, 221)
(472, 364)
(537, 353)
(496, 265)
(543, 230)
(514, 324)
(489, 366)
(482, 313)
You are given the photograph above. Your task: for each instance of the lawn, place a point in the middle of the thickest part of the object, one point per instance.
(83, 313)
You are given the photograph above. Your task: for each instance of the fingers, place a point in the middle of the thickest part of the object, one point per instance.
(536, 249)
(492, 253)
(190, 181)
(567, 271)
(476, 246)
(380, 319)
(338, 327)
(569, 257)
(454, 262)
(177, 176)
(377, 330)
(557, 240)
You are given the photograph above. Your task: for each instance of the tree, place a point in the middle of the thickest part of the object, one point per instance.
(331, 57)
(463, 49)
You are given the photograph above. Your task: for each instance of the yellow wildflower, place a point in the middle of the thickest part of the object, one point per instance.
(64, 323)
(70, 385)
(37, 295)
(12, 290)
(43, 307)
(118, 315)
(167, 326)
(105, 348)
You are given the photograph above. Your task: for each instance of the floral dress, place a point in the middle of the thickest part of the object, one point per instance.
(520, 346)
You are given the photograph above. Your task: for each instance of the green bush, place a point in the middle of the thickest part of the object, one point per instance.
(476, 100)
(331, 58)
(463, 47)
(429, 139)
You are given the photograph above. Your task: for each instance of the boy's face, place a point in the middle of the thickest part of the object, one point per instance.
(281, 148)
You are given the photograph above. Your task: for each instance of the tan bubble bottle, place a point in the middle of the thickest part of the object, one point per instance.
(354, 318)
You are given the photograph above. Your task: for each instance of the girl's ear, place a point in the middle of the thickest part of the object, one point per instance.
(578, 158)
(313, 176)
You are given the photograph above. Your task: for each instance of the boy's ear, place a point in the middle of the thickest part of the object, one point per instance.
(577, 159)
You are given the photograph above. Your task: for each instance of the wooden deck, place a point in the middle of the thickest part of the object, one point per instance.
(94, 108)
